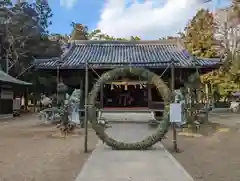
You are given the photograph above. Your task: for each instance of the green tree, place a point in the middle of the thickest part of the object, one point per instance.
(170, 38)
(227, 35)
(227, 78)
(135, 38)
(23, 35)
(62, 40)
(44, 13)
(199, 35)
(80, 32)
(99, 35)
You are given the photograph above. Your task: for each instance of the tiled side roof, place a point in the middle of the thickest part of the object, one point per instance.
(110, 54)
(4, 77)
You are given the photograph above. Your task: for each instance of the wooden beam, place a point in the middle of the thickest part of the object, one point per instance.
(130, 82)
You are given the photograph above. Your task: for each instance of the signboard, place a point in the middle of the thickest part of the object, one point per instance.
(176, 112)
(6, 94)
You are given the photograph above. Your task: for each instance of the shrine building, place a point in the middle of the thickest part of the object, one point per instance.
(11, 90)
(127, 92)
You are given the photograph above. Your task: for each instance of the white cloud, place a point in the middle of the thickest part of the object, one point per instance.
(67, 3)
(149, 20)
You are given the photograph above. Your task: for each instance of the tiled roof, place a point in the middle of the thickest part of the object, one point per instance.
(4, 77)
(111, 54)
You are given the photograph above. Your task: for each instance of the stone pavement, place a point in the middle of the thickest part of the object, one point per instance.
(156, 164)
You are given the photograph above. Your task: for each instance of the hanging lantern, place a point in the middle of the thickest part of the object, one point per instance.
(112, 86)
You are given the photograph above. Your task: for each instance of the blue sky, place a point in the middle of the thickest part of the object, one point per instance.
(84, 11)
(124, 18)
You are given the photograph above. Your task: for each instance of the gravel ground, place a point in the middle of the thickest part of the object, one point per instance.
(215, 155)
(30, 151)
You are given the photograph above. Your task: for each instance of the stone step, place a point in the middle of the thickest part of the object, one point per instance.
(112, 116)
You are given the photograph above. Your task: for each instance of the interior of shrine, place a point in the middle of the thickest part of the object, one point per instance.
(128, 93)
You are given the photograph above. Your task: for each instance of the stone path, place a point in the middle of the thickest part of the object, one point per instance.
(153, 165)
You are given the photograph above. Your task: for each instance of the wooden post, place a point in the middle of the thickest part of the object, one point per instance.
(149, 95)
(57, 82)
(207, 94)
(86, 110)
(175, 147)
(207, 100)
(26, 100)
(101, 97)
(81, 101)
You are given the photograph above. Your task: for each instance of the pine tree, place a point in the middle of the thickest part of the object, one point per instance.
(4, 3)
(44, 13)
(24, 35)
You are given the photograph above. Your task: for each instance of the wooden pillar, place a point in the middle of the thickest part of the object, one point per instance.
(86, 108)
(180, 74)
(206, 93)
(26, 100)
(81, 105)
(149, 95)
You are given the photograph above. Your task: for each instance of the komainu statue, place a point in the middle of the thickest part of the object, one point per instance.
(53, 105)
(70, 113)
